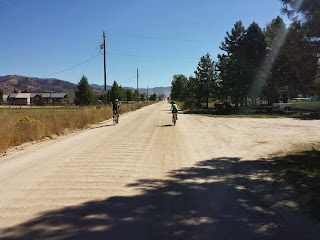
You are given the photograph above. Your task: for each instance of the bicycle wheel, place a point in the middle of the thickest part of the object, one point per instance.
(174, 119)
(114, 119)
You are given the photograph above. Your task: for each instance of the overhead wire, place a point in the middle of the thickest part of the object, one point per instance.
(128, 79)
(91, 56)
(72, 66)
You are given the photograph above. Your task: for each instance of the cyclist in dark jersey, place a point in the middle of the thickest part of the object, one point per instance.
(116, 108)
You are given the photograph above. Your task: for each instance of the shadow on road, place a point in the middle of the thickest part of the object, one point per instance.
(108, 125)
(221, 198)
(166, 125)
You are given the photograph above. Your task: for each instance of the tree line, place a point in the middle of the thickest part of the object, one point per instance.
(85, 96)
(275, 63)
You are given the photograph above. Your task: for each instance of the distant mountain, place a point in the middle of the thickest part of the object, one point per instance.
(100, 86)
(11, 82)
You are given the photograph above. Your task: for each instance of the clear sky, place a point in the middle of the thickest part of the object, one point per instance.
(41, 37)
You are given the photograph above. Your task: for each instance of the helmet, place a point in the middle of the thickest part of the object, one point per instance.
(116, 100)
(172, 102)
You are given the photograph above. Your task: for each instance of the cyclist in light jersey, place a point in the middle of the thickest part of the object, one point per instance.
(174, 108)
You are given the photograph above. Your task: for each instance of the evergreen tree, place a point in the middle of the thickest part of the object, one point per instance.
(1, 95)
(130, 95)
(306, 12)
(136, 95)
(253, 55)
(193, 97)
(206, 78)
(142, 97)
(230, 65)
(84, 95)
(178, 86)
(153, 97)
(117, 92)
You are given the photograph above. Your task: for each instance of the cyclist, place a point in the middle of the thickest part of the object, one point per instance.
(116, 108)
(174, 109)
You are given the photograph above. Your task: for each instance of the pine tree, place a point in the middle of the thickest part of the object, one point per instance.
(1, 95)
(84, 95)
(178, 86)
(206, 78)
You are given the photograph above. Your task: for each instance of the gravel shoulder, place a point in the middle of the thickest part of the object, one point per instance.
(145, 179)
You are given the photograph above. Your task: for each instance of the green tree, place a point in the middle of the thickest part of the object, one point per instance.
(130, 95)
(205, 75)
(142, 97)
(136, 95)
(252, 55)
(303, 45)
(280, 78)
(230, 65)
(84, 95)
(178, 86)
(123, 94)
(153, 97)
(117, 92)
(193, 97)
(1, 95)
(306, 12)
(15, 91)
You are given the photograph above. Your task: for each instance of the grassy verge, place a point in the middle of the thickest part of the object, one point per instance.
(302, 171)
(18, 126)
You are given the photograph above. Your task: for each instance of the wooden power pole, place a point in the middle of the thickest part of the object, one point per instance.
(105, 69)
(138, 84)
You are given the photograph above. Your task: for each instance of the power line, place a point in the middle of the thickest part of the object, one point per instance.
(128, 79)
(91, 56)
(72, 67)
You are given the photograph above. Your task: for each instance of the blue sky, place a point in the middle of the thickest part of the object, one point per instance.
(161, 38)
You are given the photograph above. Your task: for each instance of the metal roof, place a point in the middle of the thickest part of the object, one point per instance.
(20, 95)
(44, 95)
(53, 95)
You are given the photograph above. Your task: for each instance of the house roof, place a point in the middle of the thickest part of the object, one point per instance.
(35, 94)
(20, 95)
(53, 95)
(44, 95)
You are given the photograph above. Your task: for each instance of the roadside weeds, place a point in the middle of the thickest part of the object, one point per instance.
(18, 126)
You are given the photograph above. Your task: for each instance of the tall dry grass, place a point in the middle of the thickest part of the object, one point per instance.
(18, 126)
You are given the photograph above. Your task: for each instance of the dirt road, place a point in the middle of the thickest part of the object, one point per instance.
(145, 179)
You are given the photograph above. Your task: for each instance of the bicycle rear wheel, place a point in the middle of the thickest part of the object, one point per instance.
(114, 119)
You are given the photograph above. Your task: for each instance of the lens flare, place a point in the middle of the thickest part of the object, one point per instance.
(274, 49)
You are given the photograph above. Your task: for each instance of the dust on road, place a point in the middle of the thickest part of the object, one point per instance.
(145, 179)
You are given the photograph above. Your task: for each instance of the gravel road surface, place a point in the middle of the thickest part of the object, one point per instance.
(205, 178)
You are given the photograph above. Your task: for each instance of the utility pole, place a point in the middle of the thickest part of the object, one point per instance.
(138, 84)
(103, 45)
(147, 93)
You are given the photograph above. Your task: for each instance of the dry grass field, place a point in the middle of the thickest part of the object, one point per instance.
(18, 126)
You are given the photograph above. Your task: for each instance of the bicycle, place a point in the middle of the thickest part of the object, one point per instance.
(115, 117)
(174, 118)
